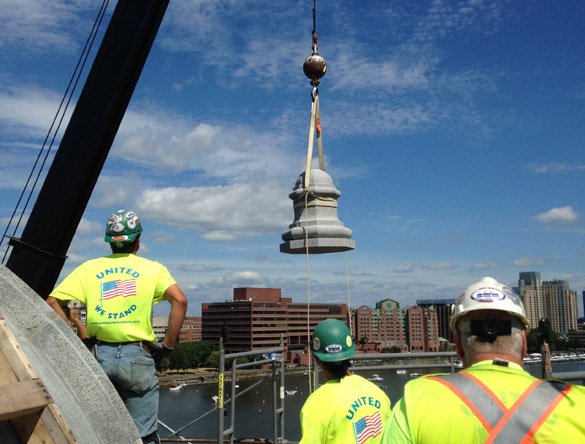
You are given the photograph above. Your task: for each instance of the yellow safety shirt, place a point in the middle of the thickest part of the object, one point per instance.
(435, 410)
(350, 410)
(119, 291)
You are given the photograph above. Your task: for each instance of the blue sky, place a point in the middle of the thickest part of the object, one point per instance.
(454, 131)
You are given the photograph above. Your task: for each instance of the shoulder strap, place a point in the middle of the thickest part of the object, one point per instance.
(529, 411)
(481, 400)
(506, 425)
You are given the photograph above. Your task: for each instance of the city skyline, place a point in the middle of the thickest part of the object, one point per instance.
(452, 130)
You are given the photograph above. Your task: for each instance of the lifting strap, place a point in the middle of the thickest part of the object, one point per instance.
(521, 420)
(314, 126)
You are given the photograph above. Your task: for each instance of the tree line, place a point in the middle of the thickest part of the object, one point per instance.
(187, 355)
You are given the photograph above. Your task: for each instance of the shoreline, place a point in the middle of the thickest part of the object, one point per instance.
(210, 375)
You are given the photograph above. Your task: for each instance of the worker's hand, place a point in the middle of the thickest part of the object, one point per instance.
(158, 351)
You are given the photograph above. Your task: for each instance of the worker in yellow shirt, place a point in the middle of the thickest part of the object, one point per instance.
(492, 400)
(119, 291)
(346, 408)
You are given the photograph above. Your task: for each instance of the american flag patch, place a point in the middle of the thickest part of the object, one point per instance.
(112, 289)
(367, 427)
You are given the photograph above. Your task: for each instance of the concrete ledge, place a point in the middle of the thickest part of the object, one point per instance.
(87, 399)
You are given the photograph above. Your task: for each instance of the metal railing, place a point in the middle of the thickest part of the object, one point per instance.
(274, 358)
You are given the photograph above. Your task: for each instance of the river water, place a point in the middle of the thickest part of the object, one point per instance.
(254, 408)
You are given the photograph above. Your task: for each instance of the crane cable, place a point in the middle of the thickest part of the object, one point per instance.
(54, 128)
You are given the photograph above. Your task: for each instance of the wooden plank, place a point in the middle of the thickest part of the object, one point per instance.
(23, 398)
(57, 426)
(13, 354)
(31, 430)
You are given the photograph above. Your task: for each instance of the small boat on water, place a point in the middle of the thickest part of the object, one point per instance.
(177, 387)
(290, 392)
(376, 377)
(415, 375)
(401, 371)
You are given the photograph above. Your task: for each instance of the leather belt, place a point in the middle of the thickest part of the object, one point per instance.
(116, 344)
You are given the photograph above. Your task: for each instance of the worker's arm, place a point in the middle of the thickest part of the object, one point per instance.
(60, 307)
(79, 326)
(57, 306)
(178, 302)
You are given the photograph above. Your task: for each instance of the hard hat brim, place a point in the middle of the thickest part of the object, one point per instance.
(335, 357)
(124, 238)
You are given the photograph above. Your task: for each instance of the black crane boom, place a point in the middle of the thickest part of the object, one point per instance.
(38, 256)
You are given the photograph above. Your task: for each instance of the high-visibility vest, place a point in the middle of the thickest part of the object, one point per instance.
(506, 425)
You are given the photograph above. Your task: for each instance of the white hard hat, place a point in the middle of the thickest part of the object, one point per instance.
(488, 294)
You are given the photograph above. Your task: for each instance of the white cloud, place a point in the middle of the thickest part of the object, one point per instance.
(36, 25)
(162, 237)
(198, 268)
(240, 210)
(356, 73)
(227, 150)
(444, 18)
(380, 118)
(87, 226)
(528, 262)
(246, 276)
(556, 168)
(440, 266)
(405, 267)
(484, 265)
(558, 214)
(117, 191)
(28, 111)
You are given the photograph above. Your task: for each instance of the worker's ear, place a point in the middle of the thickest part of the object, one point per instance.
(524, 344)
(459, 345)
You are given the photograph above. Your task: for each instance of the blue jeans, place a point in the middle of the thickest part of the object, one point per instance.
(131, 370)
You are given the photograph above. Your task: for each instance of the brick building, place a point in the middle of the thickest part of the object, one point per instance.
(191, 329)
(257, 318)
(443, 307)
(422, 329)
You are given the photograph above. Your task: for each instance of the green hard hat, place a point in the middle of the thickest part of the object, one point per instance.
(332, 341)
(123, 226)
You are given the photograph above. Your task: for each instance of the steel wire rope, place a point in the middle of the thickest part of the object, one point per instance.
(308, 271)
(59, 115)
(348, 293)
(307, 184)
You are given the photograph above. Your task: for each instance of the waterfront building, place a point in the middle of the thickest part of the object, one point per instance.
(159, 326)
(443, 307)
(390, 324)
(191, 329)
(548, 299)
(380, 327)
(363, 330)
(422, 329)
(560, 305)
(259, 318)
(530, 291)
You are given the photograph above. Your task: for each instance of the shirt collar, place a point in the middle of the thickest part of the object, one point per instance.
(491, 362)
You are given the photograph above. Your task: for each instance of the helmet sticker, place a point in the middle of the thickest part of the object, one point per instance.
(333, 348)
(488, 294)
(348, 341)
(132, 219)
(114, 224)
(316, 344)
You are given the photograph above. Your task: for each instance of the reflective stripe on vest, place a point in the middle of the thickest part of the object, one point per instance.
(504, 425)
